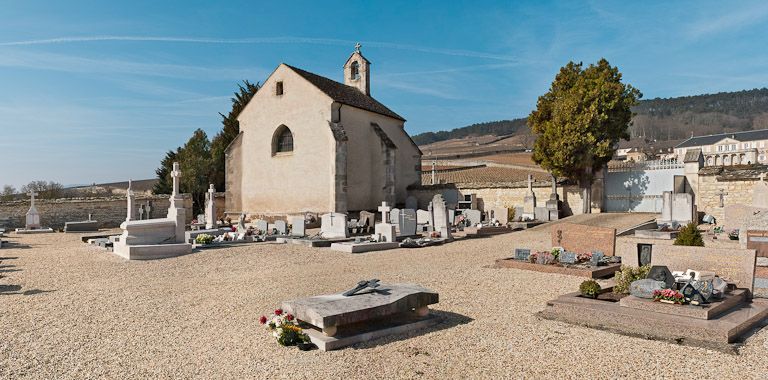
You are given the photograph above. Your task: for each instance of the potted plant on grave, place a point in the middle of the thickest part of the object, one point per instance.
(286, 330)
(204, 239)
(590, 288)
(733, 235)
(583, 257)
(668, 296)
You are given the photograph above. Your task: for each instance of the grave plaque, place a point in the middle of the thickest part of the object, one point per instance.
(281, 227)
(568, 258)
(596, 257)
(662, 273)
(522, 254)
(644, 254)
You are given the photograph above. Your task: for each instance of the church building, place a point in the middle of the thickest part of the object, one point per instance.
(310, 144)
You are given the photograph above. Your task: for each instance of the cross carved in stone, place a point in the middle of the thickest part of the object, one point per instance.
(384, 209)
(722, 195)
(33, 194)
(176, 173)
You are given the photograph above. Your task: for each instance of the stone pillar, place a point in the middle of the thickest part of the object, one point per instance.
(131, 212)
(339, 183)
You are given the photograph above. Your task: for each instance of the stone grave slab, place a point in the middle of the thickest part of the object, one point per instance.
(353, 247)
(571, 270)
(758, 240)
(706, 311)
(474, 216)
(84, 226)
(346, 320)
(582, 238)
(422, 216)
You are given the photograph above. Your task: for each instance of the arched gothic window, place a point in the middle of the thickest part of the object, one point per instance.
(354, 71)
(282, 141)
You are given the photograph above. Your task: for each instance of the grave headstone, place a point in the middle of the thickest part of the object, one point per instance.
(262, 226)
(385, 231)
(394, 216)
(440, 217)
(407, 222)
(297, 226)
(474, 216)
(422, 217)
(568, 257)
(541, 214)
(662, 273)
(334, 225)
(452, 217)
(210, 208)
(529, 201)
(583, 238)
(596, 257)
(522, 254)
(281, 227)
(644, 288)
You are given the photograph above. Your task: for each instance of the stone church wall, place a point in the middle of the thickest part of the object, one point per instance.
(109, 211)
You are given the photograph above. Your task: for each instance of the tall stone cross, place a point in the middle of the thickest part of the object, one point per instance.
(530, 183)
(176, 173)
(722, 195)
(130, 198)
(33, 194)
(384, 209)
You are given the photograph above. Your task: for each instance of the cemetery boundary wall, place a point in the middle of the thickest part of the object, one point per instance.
(110, 212)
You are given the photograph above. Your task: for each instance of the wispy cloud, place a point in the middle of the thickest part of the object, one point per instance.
(492, 66)
(75, 64)
(262, 40)
(728, 21)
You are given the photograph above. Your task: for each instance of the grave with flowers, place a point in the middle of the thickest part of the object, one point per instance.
(693, 307)
(558, 260)
(368, 311)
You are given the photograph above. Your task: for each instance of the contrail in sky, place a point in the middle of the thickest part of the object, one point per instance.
(263, 40)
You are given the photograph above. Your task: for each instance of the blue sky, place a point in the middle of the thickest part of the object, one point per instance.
(98, 91)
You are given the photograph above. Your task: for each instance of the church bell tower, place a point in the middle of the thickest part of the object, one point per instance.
(357, 71)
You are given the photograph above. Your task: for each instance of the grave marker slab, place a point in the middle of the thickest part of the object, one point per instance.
(262, 226)
(407, 222)
(281, 227)
(334, 225)
(297, 226)
(474, 216)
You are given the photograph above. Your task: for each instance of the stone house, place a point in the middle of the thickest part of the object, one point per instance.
(727, 149)
(310, 144)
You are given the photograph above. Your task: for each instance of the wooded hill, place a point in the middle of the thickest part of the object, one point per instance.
(657, 119)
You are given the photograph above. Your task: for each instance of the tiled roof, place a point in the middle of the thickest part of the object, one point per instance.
(761, 134)
(692, 155)
(344, 94)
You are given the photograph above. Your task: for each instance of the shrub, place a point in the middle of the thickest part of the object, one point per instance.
(690, 236)
(627, 275)
(589, 288)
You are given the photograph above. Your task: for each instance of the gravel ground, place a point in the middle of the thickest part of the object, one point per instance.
(83, 313)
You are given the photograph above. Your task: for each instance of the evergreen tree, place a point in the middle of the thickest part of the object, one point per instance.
(229, 131)
(195, 161)
(580, 121)
(164, 183)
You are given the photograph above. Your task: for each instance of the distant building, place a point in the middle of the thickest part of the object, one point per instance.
(727, 149)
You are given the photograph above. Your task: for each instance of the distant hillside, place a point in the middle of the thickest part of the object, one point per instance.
(656, 119)
(495, 128)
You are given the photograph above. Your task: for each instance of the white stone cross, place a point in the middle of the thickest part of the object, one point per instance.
(384, 209)
(130, 188)
(32, 194)
(176, 173)
(211, 192)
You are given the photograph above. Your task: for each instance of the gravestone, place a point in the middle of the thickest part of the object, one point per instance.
(281, 227)
(262, 226)
(407, 222)
(367, 219)
(541, 214)
(33, 217)
(677, 208)
(141, 212)
(519, 214)
(522, 254)
(385, 231)
(474, 216)
(582, 238)
(595, 260)
(394, 216)
(210, 208)
(758, 240)
(452, 217)
(760, 193)
(553, 204)
(568, 257)
(662, 273)
(412, 203)
(422, 217)
(297, 226)
(529, 201)
(501, 214)
(440, 217)
(241, 223)
(334, 225)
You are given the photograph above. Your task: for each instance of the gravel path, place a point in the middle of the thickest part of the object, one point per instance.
(84, 313)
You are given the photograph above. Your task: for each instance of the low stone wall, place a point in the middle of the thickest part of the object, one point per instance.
(108, 211)
(737, 265)
(739, 191)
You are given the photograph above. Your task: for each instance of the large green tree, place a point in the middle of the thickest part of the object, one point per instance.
(195, 161)
(580, 121)
(230, 130)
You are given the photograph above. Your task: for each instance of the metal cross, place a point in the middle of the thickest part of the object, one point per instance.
(373, 284)
(357, 47)
(722, 195)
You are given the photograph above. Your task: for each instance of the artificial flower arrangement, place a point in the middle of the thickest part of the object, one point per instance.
(285, 329)
(583, 257)
(668, 296)
(532, 257)
(733, 235)
(204, 239)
